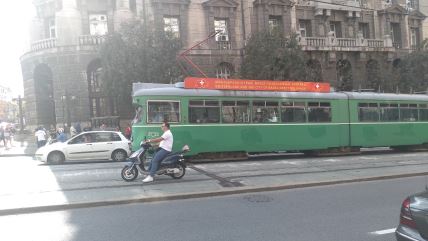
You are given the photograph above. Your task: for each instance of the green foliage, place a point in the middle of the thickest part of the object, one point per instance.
(270, 55)
(413, 72)
(137, 53)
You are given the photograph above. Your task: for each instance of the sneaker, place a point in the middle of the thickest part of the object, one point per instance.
(148, 179)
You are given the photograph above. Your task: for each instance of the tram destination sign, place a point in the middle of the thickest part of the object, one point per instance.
(260, 85)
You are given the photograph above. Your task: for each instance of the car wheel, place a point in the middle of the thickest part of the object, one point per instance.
(119, 155)
(56, 157)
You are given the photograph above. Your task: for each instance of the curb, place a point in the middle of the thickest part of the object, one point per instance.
(15, 155)
(183, 196)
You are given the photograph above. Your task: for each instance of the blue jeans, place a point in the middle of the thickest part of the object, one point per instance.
(157, 159)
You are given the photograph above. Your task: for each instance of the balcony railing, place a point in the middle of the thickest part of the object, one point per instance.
(375, 43)
(310, 41)
(346, 42)
(224, 45)
(92, 39)
(352, 44)
(43, 44)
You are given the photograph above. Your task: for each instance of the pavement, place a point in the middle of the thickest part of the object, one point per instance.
(62, 187)
(22, 145)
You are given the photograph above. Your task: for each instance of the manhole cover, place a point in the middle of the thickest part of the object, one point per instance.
(258, 198)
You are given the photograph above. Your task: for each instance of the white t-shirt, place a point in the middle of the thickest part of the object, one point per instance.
(40, 135)
(167, 141)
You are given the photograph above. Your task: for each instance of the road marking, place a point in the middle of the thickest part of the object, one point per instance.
(332, 160)
(382, 232)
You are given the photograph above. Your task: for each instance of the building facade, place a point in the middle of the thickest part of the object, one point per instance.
(341, 37)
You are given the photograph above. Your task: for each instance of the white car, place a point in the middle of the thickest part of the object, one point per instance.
(87, 145)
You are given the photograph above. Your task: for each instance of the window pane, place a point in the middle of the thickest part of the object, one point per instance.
(98, 24)
(204, 114)
(293, 114)
(319, 114)
(172, 26)
(389, 113)
(265, 114)
(163, 111)
(236, 114)
(368, 114)
(408, 114)
(423, 114)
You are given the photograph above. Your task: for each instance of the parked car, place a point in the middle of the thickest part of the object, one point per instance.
(87, 145)
(414, 218)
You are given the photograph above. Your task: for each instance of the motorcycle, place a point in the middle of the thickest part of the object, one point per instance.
(172, 165)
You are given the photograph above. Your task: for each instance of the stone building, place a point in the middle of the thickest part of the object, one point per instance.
(341, 37)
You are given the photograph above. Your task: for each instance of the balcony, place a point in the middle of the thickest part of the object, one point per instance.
(92, 39)
(43, 44)
(339, 5)
(345, 44)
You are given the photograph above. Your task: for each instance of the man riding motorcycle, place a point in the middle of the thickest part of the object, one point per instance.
(165, 148)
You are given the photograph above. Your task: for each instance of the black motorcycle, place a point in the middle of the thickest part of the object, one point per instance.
(138, 162)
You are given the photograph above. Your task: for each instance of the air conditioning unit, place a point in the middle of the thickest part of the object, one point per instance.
(224, 38)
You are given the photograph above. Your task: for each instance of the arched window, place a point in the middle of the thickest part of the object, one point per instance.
(344, 75)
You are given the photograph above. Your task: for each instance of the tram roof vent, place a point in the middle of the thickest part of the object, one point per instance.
(179, 85)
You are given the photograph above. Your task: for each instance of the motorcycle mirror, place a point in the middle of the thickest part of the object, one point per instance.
(185, 148)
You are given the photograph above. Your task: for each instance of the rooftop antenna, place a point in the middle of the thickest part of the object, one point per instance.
(189, 61)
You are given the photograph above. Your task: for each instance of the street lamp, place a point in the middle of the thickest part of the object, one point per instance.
(67, 99)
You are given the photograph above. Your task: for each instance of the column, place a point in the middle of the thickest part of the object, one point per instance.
(122, 14)
(68, 24)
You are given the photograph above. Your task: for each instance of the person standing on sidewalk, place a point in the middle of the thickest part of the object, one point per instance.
(165, 147)
(41, 137)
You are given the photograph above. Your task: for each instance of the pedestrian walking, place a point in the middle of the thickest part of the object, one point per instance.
(2, 136)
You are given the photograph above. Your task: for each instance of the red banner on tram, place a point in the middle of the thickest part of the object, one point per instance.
(261, 85)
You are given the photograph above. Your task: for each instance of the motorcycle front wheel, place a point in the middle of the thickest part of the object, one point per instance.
(129, 173)
(180, 173)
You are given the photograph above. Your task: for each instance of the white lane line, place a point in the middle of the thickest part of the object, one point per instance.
(382, 232)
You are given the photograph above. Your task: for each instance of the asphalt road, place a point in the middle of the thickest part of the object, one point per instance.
(366, 211)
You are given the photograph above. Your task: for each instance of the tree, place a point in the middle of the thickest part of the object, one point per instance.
(137, 53)
(414, 72)
(270, 55)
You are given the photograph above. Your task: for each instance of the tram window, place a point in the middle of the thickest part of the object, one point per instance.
(159, 111)
(408, 112)
(265, 112)
(204, 111)
(389, 112)
(423, 112)
(236, 111)
(293, 112)
(138, 115)
(319, 112)
(368, 112)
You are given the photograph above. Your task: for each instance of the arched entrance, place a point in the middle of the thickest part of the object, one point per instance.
(313, 71)
(44, 95)
(374, 80)
(344, 75)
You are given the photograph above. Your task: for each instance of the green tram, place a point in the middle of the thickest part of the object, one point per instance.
(226, 124)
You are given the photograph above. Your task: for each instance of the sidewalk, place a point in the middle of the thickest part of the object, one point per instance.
(22, 145)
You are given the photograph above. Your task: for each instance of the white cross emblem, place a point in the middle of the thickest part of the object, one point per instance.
(317, 86)
(202, 82)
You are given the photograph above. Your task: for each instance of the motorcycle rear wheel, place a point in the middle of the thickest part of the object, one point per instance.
(129, 174)
(180, 174)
